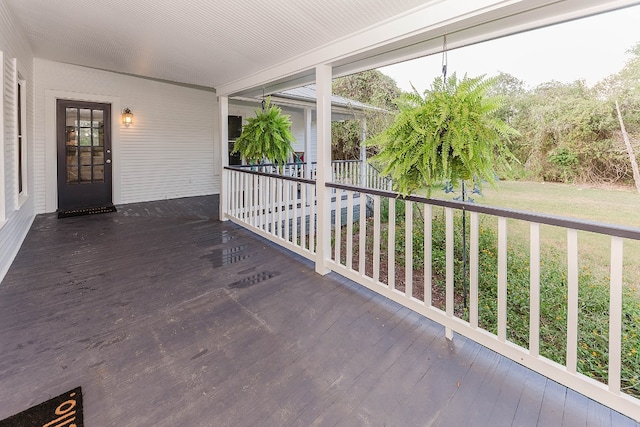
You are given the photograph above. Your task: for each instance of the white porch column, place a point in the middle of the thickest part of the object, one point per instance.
(323, 108)
(307, 143)
(223, 135)
(363, 154)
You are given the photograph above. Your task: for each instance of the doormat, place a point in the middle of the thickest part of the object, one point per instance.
(64, 410)
(86, 211)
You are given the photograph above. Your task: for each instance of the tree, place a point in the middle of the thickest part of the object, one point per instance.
(632, 156)
(508, 88)
(566, 133)
(369, 87)
(624, 86)
(449, 134)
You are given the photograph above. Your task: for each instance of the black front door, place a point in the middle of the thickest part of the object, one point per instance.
(84, 154)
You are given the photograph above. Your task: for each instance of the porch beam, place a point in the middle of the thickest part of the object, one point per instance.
(223, 136)
(323, 147)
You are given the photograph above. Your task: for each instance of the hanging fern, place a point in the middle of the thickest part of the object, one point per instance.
(449, 134)
(266, 136)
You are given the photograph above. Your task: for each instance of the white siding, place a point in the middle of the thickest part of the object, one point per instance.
(17, 58)
(297, 128)
(167, 153)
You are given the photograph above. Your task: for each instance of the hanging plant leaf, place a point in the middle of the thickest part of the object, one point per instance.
(449, 134)
(266, 136)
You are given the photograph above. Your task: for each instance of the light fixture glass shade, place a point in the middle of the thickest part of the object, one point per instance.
(127, 117)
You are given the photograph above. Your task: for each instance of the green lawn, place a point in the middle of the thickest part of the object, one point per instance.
(620, 206)
(612, 205)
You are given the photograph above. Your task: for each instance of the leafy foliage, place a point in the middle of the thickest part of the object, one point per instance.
(266, 136)
(370, 87)
(569, 131)
(451, 133)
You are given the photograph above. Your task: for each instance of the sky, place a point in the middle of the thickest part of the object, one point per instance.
(591, 49)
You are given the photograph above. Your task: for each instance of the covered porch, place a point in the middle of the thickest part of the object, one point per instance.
(164, 315)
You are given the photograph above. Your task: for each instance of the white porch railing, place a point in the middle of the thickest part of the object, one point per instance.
(350, 172)
(271, 206)
(359, 174)
(278, 207)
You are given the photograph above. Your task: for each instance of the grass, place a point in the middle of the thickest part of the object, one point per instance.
(614, 205)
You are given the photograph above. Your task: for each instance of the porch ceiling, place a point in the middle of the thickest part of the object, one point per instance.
(198, 42)
(237, 46)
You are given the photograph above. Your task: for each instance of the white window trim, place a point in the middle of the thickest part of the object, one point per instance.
(243, 120)
(3, 214)
(21, 196)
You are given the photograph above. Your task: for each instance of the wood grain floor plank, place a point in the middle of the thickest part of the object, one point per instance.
(166, 316)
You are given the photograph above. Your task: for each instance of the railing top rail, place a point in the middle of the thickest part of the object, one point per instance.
(263, 165)
(292, 164)
(346, 161)
(273, 175)
(576, 224)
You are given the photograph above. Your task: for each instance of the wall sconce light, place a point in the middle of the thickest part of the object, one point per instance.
(127, 117)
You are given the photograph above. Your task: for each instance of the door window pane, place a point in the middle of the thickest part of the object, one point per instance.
(85, 137)
(85, 156)
(72, 155)
(72, 174)
(98, 119)
(98, 174)
(98, 137)
(72, 117)
(98, 156)
(85, 174)
(72, 136)
(85, 117)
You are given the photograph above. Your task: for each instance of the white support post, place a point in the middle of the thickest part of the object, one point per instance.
(615, 314)
(449, 268)
(391, 245)
(223, 136)
(534, 293)
(502, 279)
(474, 243)
(323, 108)
(362, 226)
(408, 251)
(363, 155)
(572, 300)
(376, 239)
(307, 143)
(428, 253)
(349, 236)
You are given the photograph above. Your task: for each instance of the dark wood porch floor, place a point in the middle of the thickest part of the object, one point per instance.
(165, 316)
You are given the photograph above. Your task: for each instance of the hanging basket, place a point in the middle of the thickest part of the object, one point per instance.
(266, 136)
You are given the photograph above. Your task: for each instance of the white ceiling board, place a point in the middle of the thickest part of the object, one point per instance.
(200, 42)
